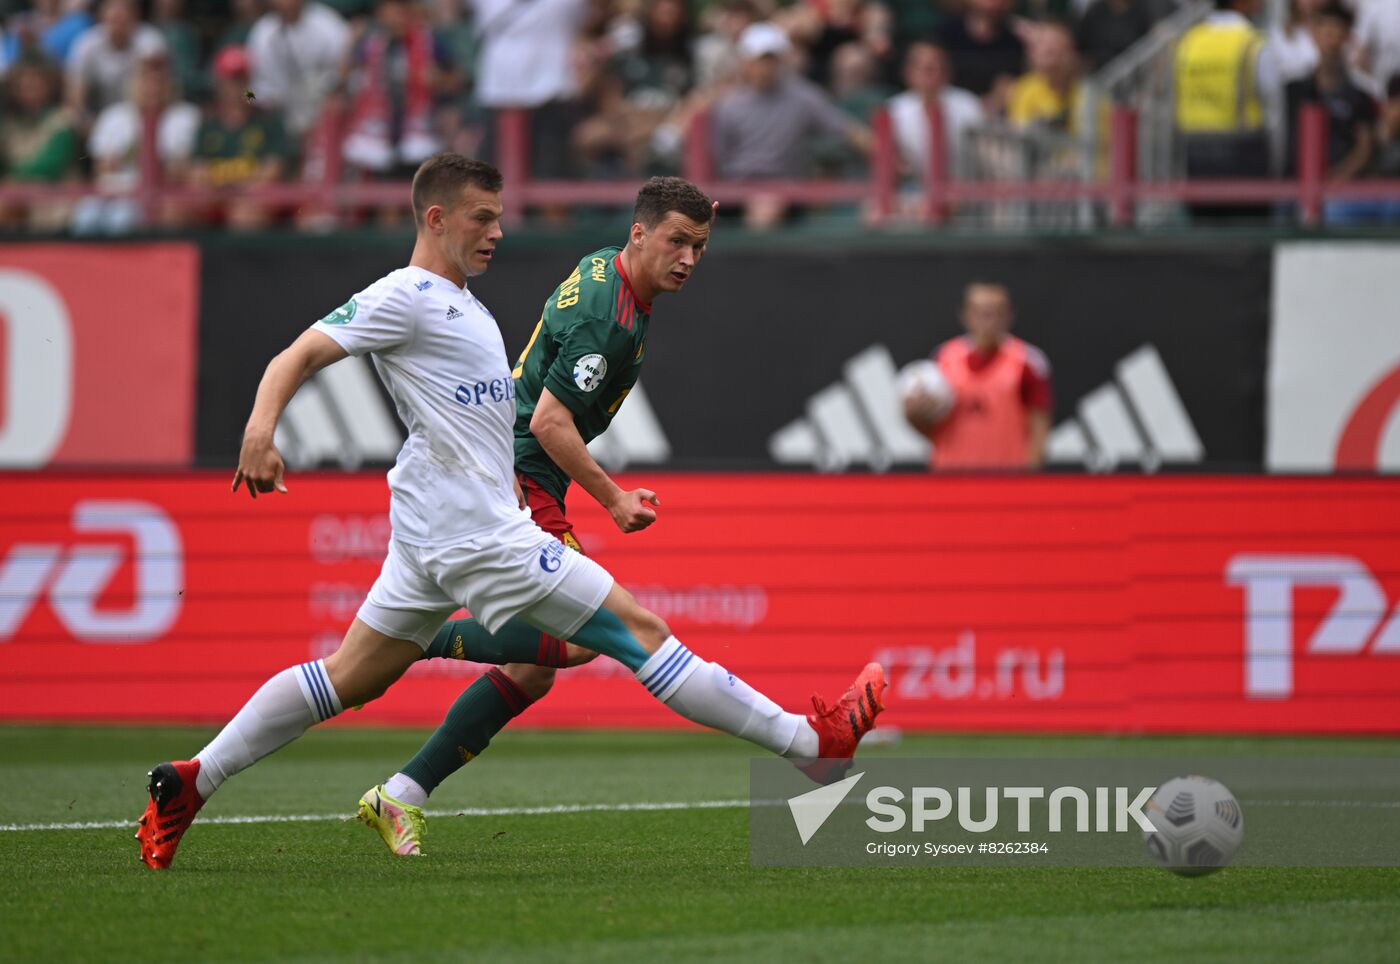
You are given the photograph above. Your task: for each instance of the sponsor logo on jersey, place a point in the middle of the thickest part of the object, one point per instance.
(423, 285)
(342, 315)
(496, 390)
(600, 267)
(589, 372)
(453, 313)
(552, 556)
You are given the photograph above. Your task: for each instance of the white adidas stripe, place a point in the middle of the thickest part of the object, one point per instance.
(1139, 418)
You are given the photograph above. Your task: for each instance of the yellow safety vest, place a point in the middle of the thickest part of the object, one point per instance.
(1217, 91)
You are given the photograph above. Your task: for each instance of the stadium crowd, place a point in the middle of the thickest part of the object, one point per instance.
(244, 88)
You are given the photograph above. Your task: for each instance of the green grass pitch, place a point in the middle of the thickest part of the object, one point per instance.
(670, 885)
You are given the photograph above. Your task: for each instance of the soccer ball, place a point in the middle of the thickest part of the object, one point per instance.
(1199, 825)
(924, 378)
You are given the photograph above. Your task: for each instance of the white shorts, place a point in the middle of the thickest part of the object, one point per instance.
(517, 569)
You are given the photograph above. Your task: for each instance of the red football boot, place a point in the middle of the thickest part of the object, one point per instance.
(840, 727)
(174, 802)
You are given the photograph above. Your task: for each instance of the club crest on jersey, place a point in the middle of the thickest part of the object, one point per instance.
(552, 557)
(342, 315)
(589, 372)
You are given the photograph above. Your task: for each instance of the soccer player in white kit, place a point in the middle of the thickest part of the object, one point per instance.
(460, 536)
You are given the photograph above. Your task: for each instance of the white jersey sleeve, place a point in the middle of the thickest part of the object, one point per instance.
(378, 319)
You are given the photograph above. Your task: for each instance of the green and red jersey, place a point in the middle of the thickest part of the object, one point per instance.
(587, 350)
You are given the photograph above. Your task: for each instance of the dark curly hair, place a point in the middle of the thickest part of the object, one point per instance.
(660, 196)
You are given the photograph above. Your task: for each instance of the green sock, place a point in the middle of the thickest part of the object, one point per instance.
(477, 715)
(516, 642)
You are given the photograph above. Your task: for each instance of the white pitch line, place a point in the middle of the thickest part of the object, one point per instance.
(567, 808)
(562, 808)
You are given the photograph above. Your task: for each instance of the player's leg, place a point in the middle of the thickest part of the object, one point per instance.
(478, 714)
(527, 658)
(515, 642)
(701, 691)
(400, 617)
(282, 709)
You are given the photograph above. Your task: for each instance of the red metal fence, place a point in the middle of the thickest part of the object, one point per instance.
(1121, 191)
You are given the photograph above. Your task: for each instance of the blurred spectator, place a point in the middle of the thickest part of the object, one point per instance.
(717, 57)
(857, 90)
(1291, 41)
(1002, 397)
(393, 86)
(856, 81)
(526, 60)
(986, 53)
(181, 44)
(1378, 38)
(1041, 11)
(637, 89)
(297, 51)
(460, 120)
(105, 57)
(115, 144)
(1047, 95)
(825, 26)
(767, 126)
(245, 14)
(1351, 111)
(1386, 164)
(1223, 70)
(1110, 27)
(37, 142)
(238, 145)
(1388, 139)
(51, 27)
(926, 79)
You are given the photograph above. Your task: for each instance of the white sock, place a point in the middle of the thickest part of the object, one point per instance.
(405, 789)
(283, 709)
(708, 694)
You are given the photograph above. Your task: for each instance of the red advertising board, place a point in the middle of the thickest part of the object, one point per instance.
(1049, 603)
(97, 354)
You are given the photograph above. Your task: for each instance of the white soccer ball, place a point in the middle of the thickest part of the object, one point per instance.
(1199, 825)
(923, 378)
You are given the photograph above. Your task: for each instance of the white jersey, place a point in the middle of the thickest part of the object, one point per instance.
(440, 355)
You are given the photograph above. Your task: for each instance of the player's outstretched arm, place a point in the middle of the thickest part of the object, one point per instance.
(259, 463)
(553, 424)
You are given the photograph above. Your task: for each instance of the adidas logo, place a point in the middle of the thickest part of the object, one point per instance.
(452, 313)
(1138, 418)
(814, 808)
(858, 420)
(340, 418)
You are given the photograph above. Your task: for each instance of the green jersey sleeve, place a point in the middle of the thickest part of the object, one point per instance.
(593, 352)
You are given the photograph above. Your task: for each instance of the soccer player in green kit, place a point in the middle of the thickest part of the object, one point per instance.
(571, 379)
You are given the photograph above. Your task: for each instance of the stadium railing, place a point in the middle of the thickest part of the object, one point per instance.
(1118, 188)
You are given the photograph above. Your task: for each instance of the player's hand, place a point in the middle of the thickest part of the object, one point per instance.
(260, 467)
(519, 493)
(632, 511)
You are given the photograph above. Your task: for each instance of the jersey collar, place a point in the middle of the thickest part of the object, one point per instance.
(622, 273)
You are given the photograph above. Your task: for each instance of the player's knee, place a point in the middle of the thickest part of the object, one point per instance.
(577, 655)
(650, 629)
(534, 681)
